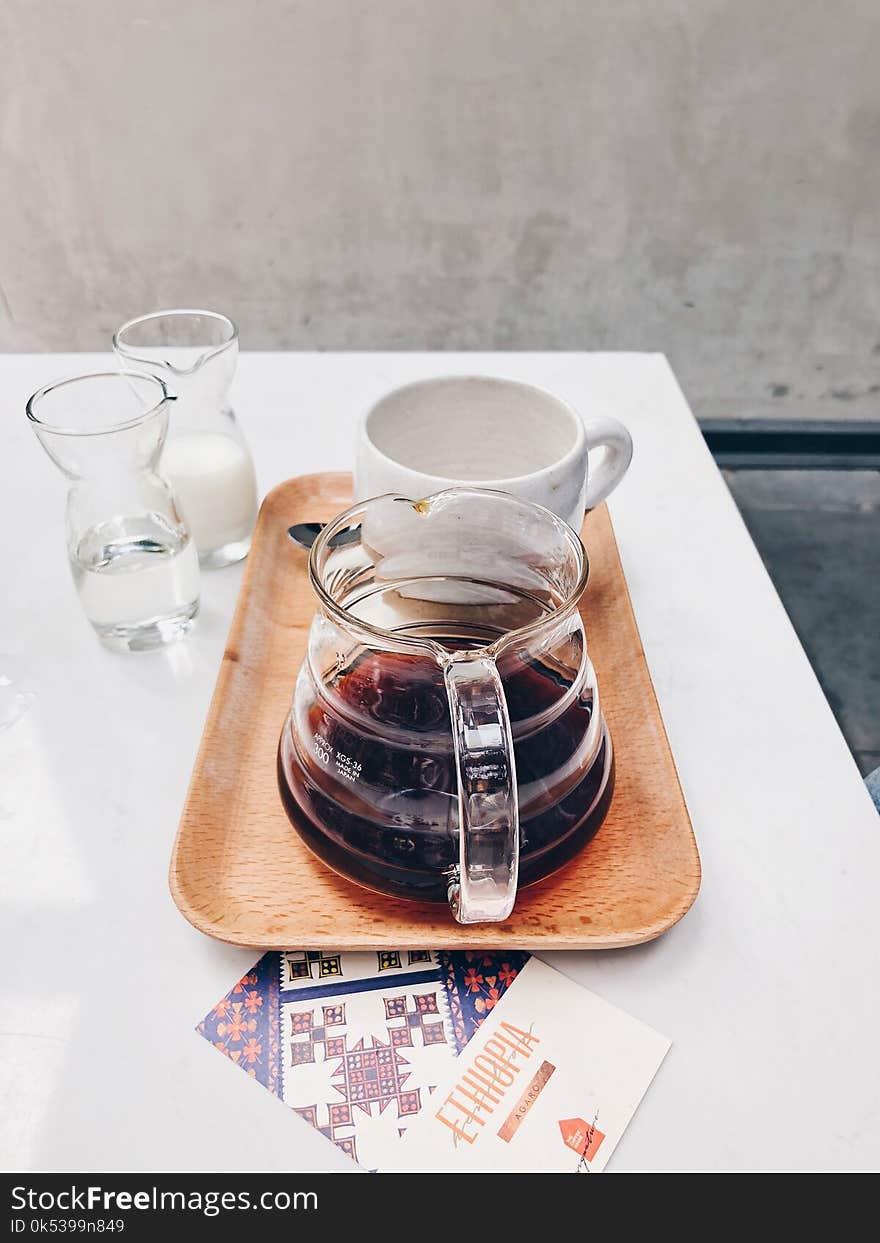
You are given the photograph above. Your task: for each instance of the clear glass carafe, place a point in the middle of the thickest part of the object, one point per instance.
(445, 740)
(206, 457)
(133, 560)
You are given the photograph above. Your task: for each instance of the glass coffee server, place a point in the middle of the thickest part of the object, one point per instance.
(133, 559)
(206, 458)
(446, 741)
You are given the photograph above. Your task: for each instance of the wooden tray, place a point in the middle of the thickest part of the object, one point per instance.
(240, 872)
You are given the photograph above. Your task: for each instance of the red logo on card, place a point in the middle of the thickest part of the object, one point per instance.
(581, 1137)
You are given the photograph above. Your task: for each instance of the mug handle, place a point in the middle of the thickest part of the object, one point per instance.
(483, 887)
(617, 442)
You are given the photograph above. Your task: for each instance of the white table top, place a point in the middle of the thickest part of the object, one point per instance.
(769, 988)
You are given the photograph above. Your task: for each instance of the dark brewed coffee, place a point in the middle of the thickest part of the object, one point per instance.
(389, 815)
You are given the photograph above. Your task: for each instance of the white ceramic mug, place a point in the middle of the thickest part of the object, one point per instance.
(488, 433)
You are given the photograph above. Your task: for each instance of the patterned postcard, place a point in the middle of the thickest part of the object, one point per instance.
(356, 1043)
(549, 1083)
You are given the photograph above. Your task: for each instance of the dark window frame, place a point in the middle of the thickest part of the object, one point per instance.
(793, 444)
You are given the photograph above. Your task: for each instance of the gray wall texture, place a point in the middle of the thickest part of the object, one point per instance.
(694, 176)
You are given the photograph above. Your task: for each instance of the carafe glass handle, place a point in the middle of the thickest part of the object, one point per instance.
(484, 888)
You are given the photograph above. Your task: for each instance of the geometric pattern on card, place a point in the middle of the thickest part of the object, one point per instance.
(354, 1042)
(306, 1034)
(334, 1120)
(311, 964)
(416, 1015)
(375, 1075)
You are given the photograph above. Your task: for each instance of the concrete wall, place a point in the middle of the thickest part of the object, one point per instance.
(695, 176)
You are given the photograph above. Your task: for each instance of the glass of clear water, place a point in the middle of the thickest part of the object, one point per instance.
(133, 558)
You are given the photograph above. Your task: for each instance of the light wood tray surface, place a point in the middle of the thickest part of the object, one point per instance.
(240, 872)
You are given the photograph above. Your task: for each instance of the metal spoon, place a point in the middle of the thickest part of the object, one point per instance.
(305, 533)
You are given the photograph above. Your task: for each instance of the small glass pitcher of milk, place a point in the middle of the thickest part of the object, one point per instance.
(205, 458)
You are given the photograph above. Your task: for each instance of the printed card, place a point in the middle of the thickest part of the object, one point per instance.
(356, 1043)
(549, 1082)
(432, 1060)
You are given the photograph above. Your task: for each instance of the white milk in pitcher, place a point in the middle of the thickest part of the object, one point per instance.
(213, 477)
